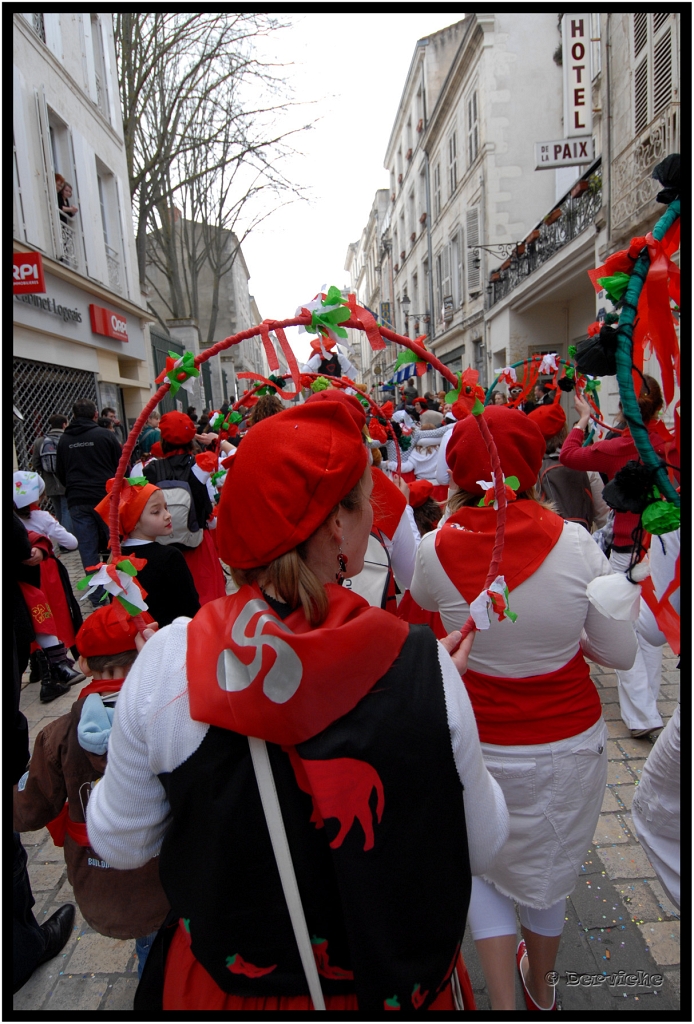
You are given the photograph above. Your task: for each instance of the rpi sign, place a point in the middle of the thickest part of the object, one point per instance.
(106, 322)
(28, 273)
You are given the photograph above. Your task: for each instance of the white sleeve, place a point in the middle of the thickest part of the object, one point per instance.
(442, 471)
(602, 509)
(348, 369)
(403, 549)
(52, 528)
(419, 588)
(312, 365)
(128, 811)
(486, 815)
(609, 642)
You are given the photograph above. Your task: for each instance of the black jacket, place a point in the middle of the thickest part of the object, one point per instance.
(168, 581)
(88, 456)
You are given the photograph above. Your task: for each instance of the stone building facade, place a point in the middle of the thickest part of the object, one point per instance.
(83, 331)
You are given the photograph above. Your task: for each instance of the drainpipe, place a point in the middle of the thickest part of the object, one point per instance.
(430, 260)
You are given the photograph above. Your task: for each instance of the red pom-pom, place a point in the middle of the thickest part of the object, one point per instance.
(636, 245)
(593, 329)
(376, 431)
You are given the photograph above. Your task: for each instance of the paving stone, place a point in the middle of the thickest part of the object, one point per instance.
(635, 748)
(611, 712)
(625, 794)
(663, 940)
(617, 728)
(48, 851)
(640, 901)
(667, 707)
(610, 829)
(609, 802)
(83, 993)
(609, 679)
(626, 862)
(618, 774)
(121, 993)
(46, 876)
(609, 695)
(100, 955)
(34, 839)
(65, 894)
(636, 766)
(665, 905)
(613, 751)
(669, 692)
(673, 979)
(32, 995)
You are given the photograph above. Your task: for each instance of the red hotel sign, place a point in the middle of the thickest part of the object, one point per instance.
(28, 273)
(108, 323)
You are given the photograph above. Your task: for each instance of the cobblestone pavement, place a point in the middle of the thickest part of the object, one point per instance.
(618, 919)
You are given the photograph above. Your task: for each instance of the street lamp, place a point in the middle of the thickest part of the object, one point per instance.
(405, 302)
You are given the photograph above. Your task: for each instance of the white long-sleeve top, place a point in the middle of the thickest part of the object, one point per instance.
(128, 811)
(554, 613)
(43, 522)
(347, 368)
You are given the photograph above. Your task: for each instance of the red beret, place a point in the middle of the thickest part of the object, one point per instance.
(420, 490)
(176, 428)
(549, 418)
(108, 630)
(352, 404)
(288, 475)
(519, 442)
(131, 505)
(156, 451)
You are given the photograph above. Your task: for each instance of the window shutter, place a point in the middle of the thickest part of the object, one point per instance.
(459, 268)
(446, 271)
(50, 195)
(85, 165)
(640, 32)
(122, 223)
(659, 20)
(641, 96)
(108, 76)
(662, 73)
(88, 57)
(28, 173)
(54, 39)
(472, 224)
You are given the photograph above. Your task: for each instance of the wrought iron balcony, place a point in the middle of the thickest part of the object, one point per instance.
(633, 188)
(113, 264)
(68, 239)
(571, 216)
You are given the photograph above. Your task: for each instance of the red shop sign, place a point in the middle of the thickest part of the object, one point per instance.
(28, 273)
(105, 321)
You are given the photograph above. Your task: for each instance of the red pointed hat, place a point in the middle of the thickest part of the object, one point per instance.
(549, 418)
(352, 404)
(519, 442)
(288, 475)
(176, 428)
(107, 631)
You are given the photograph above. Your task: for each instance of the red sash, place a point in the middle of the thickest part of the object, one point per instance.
(465, 541)
(63, 825)
(259, 675)
(39, 609)
(388, 503)
(534, 709)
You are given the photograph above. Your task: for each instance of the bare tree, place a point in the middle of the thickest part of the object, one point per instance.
(192, 136)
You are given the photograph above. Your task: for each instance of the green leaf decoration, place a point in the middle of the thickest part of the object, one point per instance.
(279, 381)
(186, 924)
(127, 567)
(453, 396)
(570, 372)
(214, 477)
(333, 296)
(180, 374)
(85, 581)
(406, 356)
(611, 318)
(513, 482)
(661, 517)
(130, 608)
(324, 323)
(316, 941)
(363, 401)
(511, 615)
(477, 408)
(615, 286)
(137, 481)
(231, 959)
(320, 384)
(572, 351)
(591, 386)
(405, 443)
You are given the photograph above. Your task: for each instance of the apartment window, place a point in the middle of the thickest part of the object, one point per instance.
(480, 361)
(437, 191)
(102, 98)
(456, 246)
(472, 230)
(595, 54)
(653, 70)
(111, 226)
(473, 131)
(452, 162)
(412, 214)
(39, 26)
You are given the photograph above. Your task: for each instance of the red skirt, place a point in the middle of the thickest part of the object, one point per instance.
(42, 618)
(52, 586)
(203, 562)
(188, 986)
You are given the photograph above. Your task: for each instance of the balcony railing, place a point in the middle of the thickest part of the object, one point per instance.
(68, 241)
(633, 188)
(569, 218)
(113, 264)
(39, 27)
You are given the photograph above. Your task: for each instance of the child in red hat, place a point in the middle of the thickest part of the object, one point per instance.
(143, 519)
(69, 758)
(179, 463)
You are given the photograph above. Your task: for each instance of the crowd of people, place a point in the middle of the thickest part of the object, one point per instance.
(308, 780)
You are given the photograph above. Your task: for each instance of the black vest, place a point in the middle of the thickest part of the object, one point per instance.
(386, 907)
(330, 366)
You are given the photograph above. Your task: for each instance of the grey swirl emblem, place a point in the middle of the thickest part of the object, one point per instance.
(283, 678)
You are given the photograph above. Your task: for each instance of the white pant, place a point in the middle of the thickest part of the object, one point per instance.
(492, 914)
(639, 685)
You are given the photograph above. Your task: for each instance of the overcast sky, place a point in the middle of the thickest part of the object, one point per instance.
(352, 69)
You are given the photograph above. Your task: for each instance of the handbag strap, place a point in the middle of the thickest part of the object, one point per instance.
(280, 846)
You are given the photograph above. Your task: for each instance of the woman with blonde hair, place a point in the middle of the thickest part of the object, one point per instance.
(295, 756)
(537, 710)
